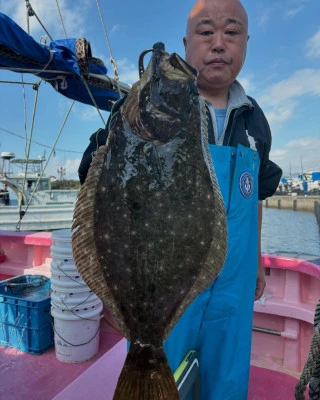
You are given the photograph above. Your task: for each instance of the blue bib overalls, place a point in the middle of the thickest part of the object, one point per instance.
(219, 321)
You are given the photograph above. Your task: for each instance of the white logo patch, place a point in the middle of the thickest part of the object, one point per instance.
(246, 185)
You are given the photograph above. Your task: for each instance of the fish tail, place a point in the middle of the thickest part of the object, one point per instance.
(146, 375)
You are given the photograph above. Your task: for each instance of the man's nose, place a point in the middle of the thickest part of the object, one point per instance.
(218, 45)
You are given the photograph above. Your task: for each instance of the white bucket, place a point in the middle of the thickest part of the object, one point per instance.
(66, 279)
(76, 339)
(65, 303)
(76, 293)
(61, 253)
(67, 283)
(62, 236)
(61, 244)
(64, 265)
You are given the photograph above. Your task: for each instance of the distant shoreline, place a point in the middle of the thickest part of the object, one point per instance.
(296, 203)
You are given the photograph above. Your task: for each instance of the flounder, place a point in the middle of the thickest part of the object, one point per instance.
(150, 220)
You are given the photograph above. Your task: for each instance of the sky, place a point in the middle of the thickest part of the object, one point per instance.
(282, 72)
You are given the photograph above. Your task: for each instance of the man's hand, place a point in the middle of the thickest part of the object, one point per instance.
(261, 283)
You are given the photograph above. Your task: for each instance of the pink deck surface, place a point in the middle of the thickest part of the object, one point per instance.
(99, 380)
(26, 376)
(266, 384)
(293, 287)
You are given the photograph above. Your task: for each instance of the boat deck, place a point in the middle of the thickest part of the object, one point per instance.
(283, 327)
(42, 377)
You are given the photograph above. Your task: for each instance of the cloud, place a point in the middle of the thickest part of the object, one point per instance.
(289, 9)
(296, 152)
(115, 28)
(128, 71)
(293, 11)
(281, 99)
(73, 14)
(89, 113)
(247, 84)
(313, 45)
(265, 16)
(71, 166)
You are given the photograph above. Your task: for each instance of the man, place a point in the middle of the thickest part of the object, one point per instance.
(4, 195)
(219, 321)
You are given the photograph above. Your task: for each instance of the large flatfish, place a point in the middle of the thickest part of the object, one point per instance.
(150, 220)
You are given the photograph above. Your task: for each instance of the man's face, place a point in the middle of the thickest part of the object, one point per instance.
(217, 42)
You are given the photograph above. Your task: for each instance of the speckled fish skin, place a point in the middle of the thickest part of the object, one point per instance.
(151, 226)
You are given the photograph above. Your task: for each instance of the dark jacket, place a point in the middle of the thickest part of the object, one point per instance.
(97, 139)
(250, 120)
(247, 119)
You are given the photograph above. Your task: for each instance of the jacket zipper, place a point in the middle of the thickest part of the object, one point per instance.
(229, 133)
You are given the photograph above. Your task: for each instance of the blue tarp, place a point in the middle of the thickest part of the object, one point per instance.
(20, 50)
(315, 176)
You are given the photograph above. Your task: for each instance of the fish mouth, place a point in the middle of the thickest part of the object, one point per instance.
(162, 91)
(179, 63)
(175, 61)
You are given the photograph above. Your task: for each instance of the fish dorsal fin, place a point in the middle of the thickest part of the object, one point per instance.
(83, 240)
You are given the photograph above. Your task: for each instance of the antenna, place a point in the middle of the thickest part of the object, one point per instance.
(62, 172)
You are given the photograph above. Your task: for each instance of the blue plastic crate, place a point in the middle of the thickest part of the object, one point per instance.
(25, 320)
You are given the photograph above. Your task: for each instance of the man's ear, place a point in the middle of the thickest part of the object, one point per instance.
(248, 38)
(185, 42)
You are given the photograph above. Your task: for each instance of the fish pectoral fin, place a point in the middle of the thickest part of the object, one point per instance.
(146, 375)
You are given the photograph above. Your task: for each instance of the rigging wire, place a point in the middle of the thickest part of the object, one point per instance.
(40, 144)
(24, 109)
(61, 19)
(31, 13)
(112, 60)
(28, 142)
(93, 99)
(22, 213)
(19, 82)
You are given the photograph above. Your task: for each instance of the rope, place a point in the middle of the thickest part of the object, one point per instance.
(311, 370)
(47, 65)
(22, 213)
(61, 19)
(32, 13)
(24, 108)
(28, 22)
(92, 99)
(41, 144)
(28, 142)
(112, 60)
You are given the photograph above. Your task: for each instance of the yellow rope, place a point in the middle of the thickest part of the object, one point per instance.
(112, 60)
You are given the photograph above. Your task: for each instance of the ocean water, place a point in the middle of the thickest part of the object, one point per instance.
(288, 230)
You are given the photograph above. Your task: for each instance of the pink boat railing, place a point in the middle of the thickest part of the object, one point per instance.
(282, 325)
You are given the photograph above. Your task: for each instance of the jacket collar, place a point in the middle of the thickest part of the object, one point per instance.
(237, 97)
